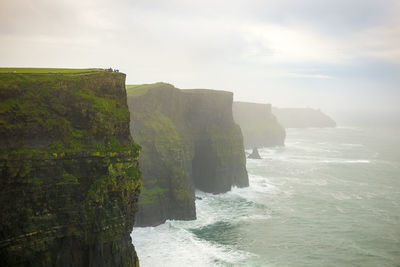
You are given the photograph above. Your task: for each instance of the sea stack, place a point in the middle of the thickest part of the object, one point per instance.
(254, 154)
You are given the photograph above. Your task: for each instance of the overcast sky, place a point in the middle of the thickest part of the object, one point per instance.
(341, 54)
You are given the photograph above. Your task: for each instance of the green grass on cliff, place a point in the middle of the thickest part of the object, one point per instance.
(135, 90)
(149, 196)
(46, 70)
(71, 113)
(162, 145)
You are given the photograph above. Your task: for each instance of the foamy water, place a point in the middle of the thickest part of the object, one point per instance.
(331, 197)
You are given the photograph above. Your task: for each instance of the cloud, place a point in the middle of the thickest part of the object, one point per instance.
(309, 76)
(254, 31)
(261, 49)
(282, 44)
(380, 42)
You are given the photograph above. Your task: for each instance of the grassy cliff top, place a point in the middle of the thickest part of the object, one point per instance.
(136, 90)
(47, 70)
(206, 91)
(243, 103)
(64, 112)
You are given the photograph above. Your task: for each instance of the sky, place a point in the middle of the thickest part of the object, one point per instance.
(341, 55)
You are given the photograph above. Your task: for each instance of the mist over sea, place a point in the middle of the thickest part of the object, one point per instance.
(330, 197)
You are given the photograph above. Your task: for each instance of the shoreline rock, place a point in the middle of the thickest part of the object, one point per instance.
(254, 154)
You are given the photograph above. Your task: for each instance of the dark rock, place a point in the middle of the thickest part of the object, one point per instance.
(70, 180)
(254, 154)
(189, 140)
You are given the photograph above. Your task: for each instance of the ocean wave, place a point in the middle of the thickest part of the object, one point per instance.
(352, 145)
(345, 161)
(195, 243)
(307, 159)
(341, 196)
(235, 205)
(315, 194)
(313, 182)
(180, 247)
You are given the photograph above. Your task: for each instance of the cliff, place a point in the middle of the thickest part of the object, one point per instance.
(259, 126)
(189, 140)
(303, 118)
(69, 170)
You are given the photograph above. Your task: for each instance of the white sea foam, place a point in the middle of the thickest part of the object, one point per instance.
(308, 195)
(339, 209)
(345, 161)
(341, 196)
(179, 247)
(302, 158)
(352, 145)
(313, 182)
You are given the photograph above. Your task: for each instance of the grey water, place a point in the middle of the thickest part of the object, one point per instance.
(330, 197)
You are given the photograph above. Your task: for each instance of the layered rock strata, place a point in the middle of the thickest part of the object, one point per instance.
(69, 170)
(189, 141)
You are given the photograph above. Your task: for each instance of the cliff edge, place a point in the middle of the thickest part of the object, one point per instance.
(303, 118)
(259, 126)
(69, 170)
(189, 141)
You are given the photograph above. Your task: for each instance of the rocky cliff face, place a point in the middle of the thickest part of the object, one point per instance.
(259, 126)
(303, 118)
(69, 174)
(189, 140)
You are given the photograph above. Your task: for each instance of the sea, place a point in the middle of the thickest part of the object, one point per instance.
(329, 197)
